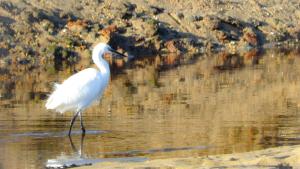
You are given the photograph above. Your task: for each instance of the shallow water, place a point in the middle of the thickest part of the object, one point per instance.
(171, 106)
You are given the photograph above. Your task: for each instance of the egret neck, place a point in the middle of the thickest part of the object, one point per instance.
(102, 64)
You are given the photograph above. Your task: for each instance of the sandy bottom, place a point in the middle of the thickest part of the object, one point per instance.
(281, 157)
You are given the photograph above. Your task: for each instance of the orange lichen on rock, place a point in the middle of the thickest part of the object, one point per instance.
(77, 25)
(250, 36)
(107, 32)
(171, 46)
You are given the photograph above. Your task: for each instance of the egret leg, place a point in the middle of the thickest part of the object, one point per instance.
(81, 124)
(72, 122)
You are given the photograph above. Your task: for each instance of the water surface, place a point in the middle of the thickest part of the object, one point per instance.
(161, 107)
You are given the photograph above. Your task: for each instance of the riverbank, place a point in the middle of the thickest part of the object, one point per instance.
(286, 157)
(34, 31)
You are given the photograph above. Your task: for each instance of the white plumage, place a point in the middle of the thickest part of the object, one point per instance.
(78, 91)
(83, 88)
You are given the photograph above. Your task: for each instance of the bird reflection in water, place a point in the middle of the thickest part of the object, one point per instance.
(79, 152)
(75, 160)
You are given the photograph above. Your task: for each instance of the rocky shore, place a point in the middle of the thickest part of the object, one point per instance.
(35, 31)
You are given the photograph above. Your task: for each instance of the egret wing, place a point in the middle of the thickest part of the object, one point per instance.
(78, 91)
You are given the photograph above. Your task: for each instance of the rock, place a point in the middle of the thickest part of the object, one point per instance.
(254, 22)
(232, 21)
(107, 32)
(195, 18)
(232, 47)
(250, 36)
(130, 11)
(28, 17)
(295, 32)
(129, 6)
(156, 10)
(211, 22)
(47, 26)
(276, 36)
(77, 26)
(91, 37)
(53, 17)
(222, 36)
(86, 53)
(172, 46)
(68, 16)
(8, 6)
(147, 28)
(3, 52)
(180, 15)
(61, 54)
(24, 61)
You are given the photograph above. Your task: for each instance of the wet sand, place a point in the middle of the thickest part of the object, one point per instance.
(285, 157)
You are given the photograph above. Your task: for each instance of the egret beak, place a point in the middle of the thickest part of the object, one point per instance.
(118, 55)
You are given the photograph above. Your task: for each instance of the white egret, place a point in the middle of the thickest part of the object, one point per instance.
(83, 88)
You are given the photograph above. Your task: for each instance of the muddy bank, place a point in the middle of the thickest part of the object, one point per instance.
(34, 31)
(281, 157)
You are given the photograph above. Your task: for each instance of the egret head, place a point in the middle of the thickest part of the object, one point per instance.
(101, 48)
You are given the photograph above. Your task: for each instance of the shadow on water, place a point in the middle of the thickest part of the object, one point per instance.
(158, 107)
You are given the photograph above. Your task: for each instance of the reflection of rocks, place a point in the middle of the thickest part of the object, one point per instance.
(229, 61)
(252, 57)
(171, 59)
